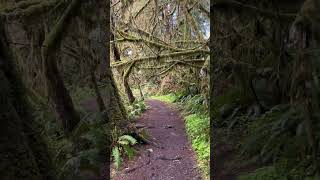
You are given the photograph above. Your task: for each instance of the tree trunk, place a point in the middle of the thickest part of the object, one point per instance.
(126, 85)
(23, 152)
(128, 90)
(60, 97)
(116, 55)
(101, 105)
(141, 94)
(57, 91)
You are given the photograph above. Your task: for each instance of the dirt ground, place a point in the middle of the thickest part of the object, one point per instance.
(169, 157)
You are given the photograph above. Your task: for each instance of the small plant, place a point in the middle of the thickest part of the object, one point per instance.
(136, 109)
(123, 146)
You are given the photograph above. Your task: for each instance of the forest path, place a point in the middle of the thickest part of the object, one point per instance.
(170, 157)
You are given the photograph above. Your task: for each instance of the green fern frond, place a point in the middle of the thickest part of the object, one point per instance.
(116, 156)
(129, 151)
(128, 138)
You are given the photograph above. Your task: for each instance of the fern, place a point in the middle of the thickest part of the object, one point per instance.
(128, 138)
(129, 151)
(116, 156)
(123, 146)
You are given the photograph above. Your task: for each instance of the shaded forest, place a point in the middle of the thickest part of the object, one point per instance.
(51, 52)
(264, 89)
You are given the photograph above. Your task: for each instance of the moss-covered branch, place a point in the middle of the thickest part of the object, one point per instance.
(141, 9)
(162, 56)
(127, 37)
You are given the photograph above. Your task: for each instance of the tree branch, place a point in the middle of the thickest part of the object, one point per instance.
(162, 56)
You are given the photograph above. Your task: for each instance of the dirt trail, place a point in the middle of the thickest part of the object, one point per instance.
(171, 158)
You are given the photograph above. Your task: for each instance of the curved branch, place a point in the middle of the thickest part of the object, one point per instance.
(144, 6)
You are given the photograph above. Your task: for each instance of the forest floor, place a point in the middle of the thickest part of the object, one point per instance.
(170, 156)
(229, 164)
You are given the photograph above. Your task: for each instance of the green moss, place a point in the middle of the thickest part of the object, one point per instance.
(169, 98)
(82, 94)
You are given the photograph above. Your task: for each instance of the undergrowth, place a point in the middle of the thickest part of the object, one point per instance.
(168, 98)
(84, 149)
(272, 140)
(198, 128)
(123, 146)
(265, 173)
(136, 109)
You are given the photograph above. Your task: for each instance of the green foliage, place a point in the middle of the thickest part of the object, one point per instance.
(277, 136)
(116, 156)
(169, 98)
(136, 109)
(126, 139)
(265, 173)
(228, 109)
(193, 104)
(280, 136)
(80, 94)
(84, 149)
(123, 147)
(270, 133)
(198, 128)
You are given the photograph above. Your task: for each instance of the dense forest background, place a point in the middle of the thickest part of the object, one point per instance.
(51, 53)
(264, 89)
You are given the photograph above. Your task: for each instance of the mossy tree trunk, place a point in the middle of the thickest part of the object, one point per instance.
(116, 55)
(128, 91)
(23, 152)
(99, 99)
(57, 91)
